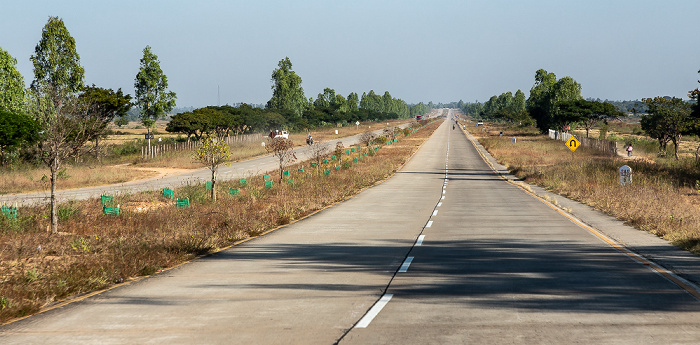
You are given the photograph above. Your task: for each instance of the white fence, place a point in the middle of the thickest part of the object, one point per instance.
(158, 149)
(606, 146)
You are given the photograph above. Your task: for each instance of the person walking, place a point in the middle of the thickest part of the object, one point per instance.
(629, 150)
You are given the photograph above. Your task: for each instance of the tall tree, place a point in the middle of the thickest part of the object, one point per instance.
(287, 93)
(545, 97)
(519, 101)
(65, 124)
(12, 92)
(151, 90)
(353, 101)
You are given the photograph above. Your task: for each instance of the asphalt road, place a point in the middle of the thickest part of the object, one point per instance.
(451, 252)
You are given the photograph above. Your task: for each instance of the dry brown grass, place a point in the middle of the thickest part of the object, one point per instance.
(91, 173)
(31, 180)
(97, 251)
(663, 199)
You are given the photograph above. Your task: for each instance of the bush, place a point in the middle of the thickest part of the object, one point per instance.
(381, 140)
(66, 212)
(129, 148)
(196, 193)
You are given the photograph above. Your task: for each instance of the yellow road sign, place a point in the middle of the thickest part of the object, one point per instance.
(573, 144)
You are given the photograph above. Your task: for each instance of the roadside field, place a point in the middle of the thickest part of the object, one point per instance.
(113, 168)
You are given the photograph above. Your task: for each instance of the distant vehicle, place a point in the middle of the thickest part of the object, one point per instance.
(480, 123)
(278, 134)
(419, 117)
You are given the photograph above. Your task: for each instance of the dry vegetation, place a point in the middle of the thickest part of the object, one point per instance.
(111, 170)
(97, 251)
(664, 198)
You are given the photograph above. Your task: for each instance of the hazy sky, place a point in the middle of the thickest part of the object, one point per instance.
(435, 50)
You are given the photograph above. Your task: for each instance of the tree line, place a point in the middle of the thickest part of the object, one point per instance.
(288, 108)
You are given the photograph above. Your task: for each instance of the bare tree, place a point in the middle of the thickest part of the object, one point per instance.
(281, 148)
(318, 151)
(64, 132)
(367, 138)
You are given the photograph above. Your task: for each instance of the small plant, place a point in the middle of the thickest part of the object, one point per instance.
(31, 276)
(4, 303)
(66, 212)
(80, 244)
(381, 140)
(62, 174)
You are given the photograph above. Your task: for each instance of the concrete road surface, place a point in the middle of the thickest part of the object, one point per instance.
(444, 252)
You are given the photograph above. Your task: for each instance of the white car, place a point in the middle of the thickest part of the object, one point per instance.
(282, 134)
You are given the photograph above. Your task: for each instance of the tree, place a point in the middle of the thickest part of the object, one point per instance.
(213, 153)
(353, 101)
(103, 105)
(519, 101)
(282, 149)
(121, 121)
(16, 130)
(189, 123)
(589, 113)
(545, 97)
(65, 123)
(695, 95)
(287, 93)
(668, 120)
(12, 92)
(318, 151)
(151, 94)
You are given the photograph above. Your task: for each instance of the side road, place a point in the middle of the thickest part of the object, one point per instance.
(243, 169)
(660, 251)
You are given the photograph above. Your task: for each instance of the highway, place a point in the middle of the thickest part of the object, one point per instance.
(444, 252)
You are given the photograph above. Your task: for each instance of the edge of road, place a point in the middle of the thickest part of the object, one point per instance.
(159, 272)
(676, 265)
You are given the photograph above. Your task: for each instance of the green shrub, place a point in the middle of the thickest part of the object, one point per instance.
(196, 193)
(129, 148)
(65, 212)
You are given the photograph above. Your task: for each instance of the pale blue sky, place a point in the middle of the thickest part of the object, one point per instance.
(436, 50)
